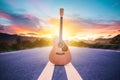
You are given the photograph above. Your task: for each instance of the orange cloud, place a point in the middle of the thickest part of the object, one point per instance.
(19, 29)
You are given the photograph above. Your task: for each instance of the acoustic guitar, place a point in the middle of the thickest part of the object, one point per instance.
(60, 54)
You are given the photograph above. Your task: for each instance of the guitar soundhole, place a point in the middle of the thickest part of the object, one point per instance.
(60, 44)
(60, 53)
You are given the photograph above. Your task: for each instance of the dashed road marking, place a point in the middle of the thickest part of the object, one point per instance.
(47, 72)
(72, 73)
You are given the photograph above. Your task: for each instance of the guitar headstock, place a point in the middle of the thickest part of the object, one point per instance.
(61, 12)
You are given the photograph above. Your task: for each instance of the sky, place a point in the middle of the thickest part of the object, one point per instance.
(83, 19)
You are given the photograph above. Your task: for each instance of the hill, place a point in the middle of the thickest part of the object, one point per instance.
(10, 42)
(115, 40)
(11, 39)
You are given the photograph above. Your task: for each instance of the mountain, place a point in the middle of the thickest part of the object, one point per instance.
(115, 40)
(103, 40)
(9, 38)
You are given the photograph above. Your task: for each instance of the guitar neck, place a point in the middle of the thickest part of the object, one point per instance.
(61, 23)
(61, 27)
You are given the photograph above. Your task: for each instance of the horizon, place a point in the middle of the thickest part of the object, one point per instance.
(57, 37)
(83, 20)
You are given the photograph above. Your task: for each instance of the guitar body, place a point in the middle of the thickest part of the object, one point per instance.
(58, 57)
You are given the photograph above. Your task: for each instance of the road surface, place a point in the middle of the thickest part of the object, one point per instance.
(90, 64)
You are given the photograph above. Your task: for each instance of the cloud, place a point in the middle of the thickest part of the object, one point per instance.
(87, 25)
(11, 12)
(5, 15)
(21, 19)
(32, 33)
(1, 27)
(29, 33)
(117, 23)
(98, 26)
(94, 22)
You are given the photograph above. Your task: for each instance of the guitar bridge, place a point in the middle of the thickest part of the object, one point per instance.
(60, 53)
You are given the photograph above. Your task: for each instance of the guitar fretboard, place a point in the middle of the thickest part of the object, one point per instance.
(61, 27)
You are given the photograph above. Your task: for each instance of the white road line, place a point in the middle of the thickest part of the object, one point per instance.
(47, 72)
(72, 73)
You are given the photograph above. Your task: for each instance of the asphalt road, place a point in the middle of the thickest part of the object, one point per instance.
(92, 64)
